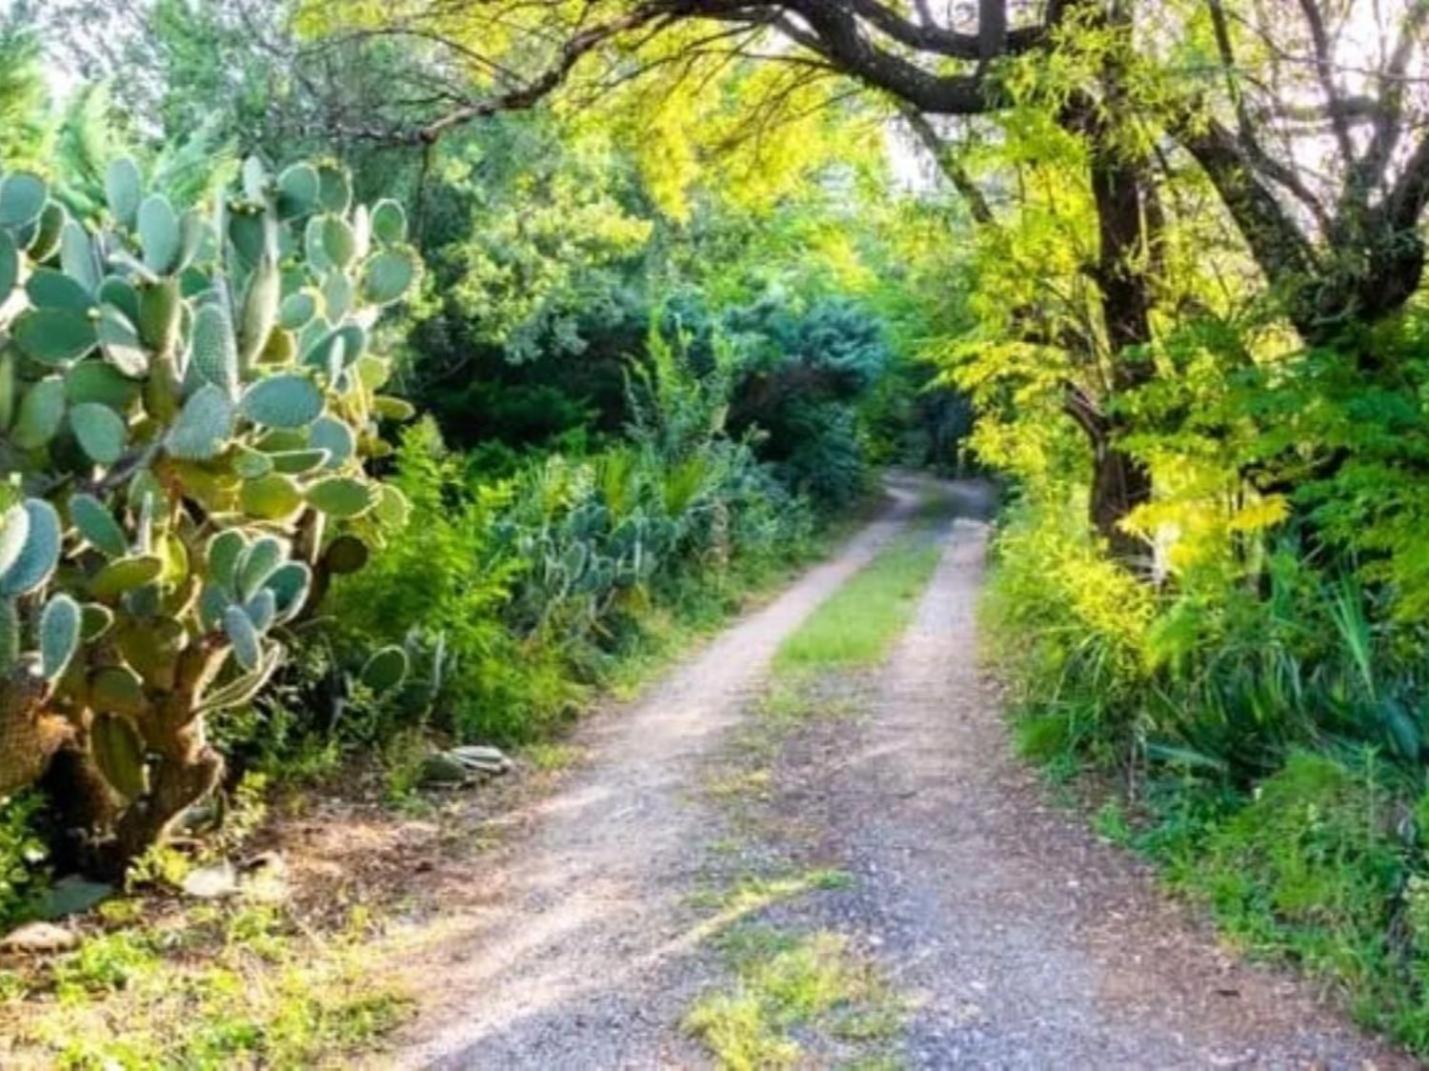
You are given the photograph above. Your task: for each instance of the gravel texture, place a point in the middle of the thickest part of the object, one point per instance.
(1019, 939)
(1023, 940)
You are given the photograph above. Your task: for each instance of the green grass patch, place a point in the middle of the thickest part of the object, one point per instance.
(237, 985)
(856, 626)
(791, 992)
(550, 756)
(751, 893)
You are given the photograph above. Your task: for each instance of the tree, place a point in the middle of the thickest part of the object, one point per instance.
(886, 51)
(1319, 149)
(1362, 259)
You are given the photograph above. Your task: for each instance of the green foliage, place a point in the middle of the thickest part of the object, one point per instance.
(1322, 865)
(538, 581)
(147, 407)
(24, 120)
(23, 855)
(798, 374)
(1277, 731)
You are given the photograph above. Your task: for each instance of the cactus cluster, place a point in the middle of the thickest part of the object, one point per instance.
(187, 403)
(591, 535)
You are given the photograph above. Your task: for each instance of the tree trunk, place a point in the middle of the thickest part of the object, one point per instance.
(1120, 483)
(84, 806)
(177, 782)
(1129, 235)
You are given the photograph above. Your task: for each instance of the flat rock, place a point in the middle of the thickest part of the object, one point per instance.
(211, 882)
(38, 937)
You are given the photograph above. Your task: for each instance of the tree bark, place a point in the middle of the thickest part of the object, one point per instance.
(1128, 237)
(1120, 483)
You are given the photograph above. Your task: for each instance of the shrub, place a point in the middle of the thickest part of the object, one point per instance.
(540, 581)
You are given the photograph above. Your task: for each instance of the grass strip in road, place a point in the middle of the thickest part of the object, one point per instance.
(791, 990)
(857, 626)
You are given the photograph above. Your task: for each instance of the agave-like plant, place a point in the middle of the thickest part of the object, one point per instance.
(187, 403)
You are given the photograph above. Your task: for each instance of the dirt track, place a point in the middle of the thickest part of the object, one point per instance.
(1019, 939)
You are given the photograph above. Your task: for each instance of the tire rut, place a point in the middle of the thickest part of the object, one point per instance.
(1021, 939)
(581, 955)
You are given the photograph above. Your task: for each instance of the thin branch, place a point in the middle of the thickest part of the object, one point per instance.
(950, 166)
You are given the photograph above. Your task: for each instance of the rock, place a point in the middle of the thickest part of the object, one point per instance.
(459, 765)
(211, 882)
(486, 759)
(39, 937)
(265, 878)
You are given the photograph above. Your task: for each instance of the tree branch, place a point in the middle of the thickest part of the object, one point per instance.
(1275, 240)
(529, 94)
(950, 166)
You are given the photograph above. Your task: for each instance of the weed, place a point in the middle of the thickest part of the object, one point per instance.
(1111, 824)
(549, 756)
(810, 986)
(22, 857)
(219, 986)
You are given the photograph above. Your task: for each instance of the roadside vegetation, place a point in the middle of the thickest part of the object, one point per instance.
(327, 473)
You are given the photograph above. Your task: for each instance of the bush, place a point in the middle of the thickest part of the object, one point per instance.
(1271, 732)
(543, 580)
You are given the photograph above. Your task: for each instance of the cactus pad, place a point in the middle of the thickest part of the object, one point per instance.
(97, 525)
(159, 234)
(123, 190)
(100, 430)
(41, 553)
(59, 635)
(55, 335)
(282, 401)
(119, 753)
(341, 497)
(389, 275)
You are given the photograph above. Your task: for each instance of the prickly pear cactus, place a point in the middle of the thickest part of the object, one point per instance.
(187, 403)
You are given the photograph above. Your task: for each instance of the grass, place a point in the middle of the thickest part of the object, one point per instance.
(750, 893)
(788, 991)
(550, 756)
(237, 985)
(856, 626)
(806, 998)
